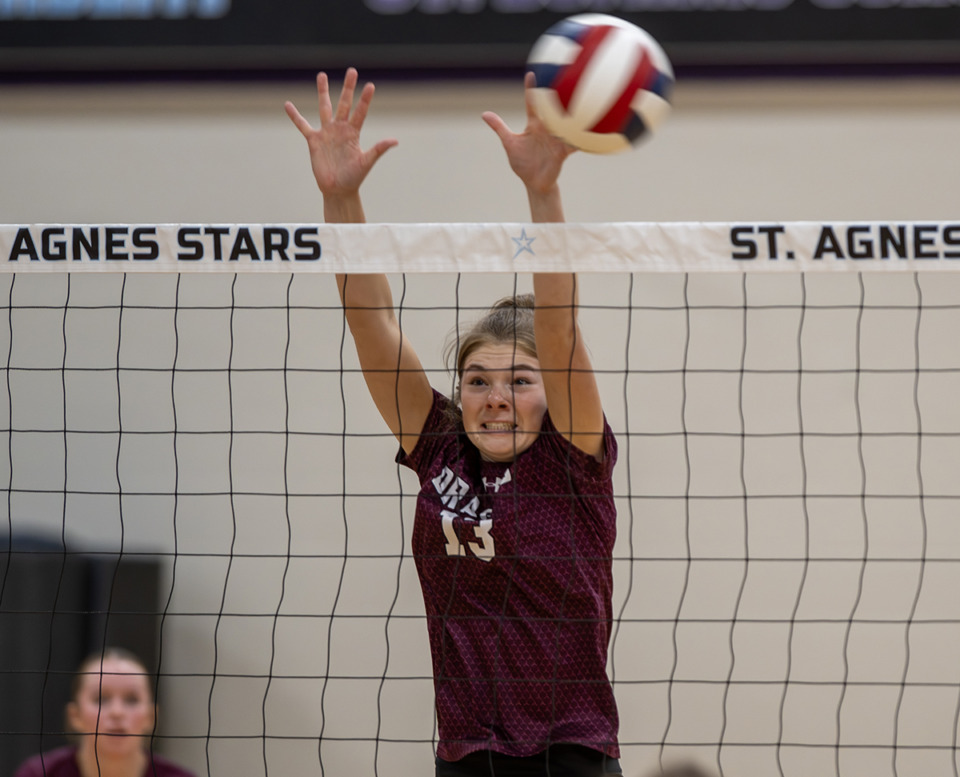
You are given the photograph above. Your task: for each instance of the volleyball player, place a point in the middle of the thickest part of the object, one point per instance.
(515, 521)
(111, 713)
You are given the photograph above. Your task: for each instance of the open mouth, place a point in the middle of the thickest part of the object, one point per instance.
(499, 426)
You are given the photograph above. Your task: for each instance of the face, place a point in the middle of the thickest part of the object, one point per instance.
(502, 399)
(115, 703)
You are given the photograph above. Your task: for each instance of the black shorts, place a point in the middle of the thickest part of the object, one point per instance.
(557, 761)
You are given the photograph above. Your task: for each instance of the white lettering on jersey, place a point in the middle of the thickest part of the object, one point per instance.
(453, 491)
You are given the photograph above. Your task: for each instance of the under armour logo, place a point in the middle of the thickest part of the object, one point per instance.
(497, 482)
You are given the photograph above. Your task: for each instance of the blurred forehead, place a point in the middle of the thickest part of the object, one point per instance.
(114, 673)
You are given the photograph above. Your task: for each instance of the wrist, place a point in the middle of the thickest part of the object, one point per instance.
(545, 204)
(343, 208)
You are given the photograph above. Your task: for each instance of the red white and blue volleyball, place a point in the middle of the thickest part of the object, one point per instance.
(603, 84)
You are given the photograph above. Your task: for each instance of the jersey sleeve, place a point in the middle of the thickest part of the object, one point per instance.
(437, 430)
(594, 475)
(28, 768)
(53, 763)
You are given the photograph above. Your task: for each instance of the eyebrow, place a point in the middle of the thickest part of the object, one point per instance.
(473, 367)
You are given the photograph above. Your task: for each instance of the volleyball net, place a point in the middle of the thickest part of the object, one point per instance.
(785, 397)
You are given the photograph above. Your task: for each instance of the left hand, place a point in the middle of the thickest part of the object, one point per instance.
(535, 155)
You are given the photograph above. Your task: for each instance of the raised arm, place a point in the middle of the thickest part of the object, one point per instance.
(573, 397)
(393, 373)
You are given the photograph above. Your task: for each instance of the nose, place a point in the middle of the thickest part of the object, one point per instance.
(112, 709)
(497, 396)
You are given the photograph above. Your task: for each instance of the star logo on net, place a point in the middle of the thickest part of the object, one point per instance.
(523, 244)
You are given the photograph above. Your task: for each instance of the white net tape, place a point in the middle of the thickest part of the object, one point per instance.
(617, 247)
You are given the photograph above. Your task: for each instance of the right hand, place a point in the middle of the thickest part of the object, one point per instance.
(339, 163)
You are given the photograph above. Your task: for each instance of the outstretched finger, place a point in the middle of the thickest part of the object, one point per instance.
(346, 94)
(497, 124)
(323, 98)
(301, 123)
(529, 84)
(378, 150)
(363, 105)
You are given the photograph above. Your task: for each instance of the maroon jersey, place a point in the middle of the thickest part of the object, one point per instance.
(62, 762)
(515, 563)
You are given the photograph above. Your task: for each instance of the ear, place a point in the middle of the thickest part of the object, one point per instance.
(73, 713)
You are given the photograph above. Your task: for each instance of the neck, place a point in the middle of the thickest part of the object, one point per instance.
(93, 764)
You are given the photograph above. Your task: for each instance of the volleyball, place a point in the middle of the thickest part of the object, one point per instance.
(602, 83)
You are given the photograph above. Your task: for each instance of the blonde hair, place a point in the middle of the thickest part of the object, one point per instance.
(509, 320)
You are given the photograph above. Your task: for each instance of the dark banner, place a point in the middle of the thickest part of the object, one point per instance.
(246, 36)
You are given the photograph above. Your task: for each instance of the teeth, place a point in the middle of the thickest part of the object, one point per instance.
(498, 427)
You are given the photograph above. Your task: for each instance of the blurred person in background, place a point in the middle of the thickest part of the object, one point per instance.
(111, 715)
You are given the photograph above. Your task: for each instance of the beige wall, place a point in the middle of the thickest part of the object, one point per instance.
(770, 150)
